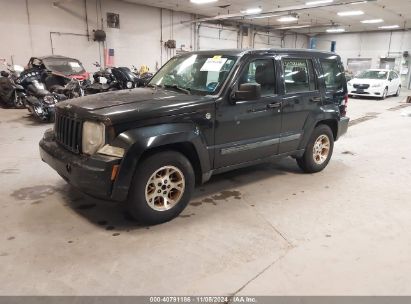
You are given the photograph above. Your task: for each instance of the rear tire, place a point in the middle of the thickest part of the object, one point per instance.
(161, 188)
(319, 150)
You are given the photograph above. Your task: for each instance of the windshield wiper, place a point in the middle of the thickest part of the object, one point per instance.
(181, 89)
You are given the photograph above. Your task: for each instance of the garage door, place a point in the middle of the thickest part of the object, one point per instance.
(214, 38)
(263, 41)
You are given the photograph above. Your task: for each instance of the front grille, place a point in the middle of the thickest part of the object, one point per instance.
(68, 132)
(361, 86)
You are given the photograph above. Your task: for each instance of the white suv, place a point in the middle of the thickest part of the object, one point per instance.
(375, 83)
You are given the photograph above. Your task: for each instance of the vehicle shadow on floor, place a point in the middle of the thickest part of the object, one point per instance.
(112, 215)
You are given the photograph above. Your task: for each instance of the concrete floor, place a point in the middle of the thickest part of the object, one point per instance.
(345, 231)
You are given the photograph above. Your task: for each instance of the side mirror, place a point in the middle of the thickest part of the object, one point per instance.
(248, 91)
(390, 79)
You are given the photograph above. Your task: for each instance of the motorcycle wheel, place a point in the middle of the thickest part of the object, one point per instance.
(19, 101)
(40, 114)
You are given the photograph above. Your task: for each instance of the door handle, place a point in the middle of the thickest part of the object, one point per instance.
(315, 99)
(274, 105)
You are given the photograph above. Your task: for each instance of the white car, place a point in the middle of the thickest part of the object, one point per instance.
(375, 83)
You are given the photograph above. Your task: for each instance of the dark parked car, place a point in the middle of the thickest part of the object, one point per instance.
(203, 113)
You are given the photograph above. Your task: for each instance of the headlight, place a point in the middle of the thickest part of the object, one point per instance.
(94, 134)
(49, 99)
(377, 85)
(349, 84)
(129, 84)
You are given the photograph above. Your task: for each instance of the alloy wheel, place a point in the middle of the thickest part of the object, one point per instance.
(321, 149)
(165, 188)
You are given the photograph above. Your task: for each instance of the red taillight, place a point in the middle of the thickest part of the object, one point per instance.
(346, 100)
(344, 104)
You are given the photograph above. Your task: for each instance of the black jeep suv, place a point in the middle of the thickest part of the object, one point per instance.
(203, 113)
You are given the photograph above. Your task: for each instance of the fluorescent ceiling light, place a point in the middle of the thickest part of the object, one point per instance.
(252, 11)
(335, 30)
(318, 2)
(293, 27)
(373, 21)
(350, 13)
(388, 27)
(263, 16)
(202, 1)
(287, 19)
(360, 2)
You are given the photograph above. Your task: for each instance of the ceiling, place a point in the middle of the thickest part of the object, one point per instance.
(317, 19)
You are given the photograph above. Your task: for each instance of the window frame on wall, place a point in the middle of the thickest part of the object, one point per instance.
(311, 75)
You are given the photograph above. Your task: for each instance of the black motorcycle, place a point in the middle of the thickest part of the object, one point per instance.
(39, 100)
(49, 80)
(112, 79)
(12, 95)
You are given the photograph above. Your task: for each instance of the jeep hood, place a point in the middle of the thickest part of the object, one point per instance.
(134, 104)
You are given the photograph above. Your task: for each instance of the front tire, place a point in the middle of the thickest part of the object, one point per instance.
(398, 92)
(384, 94)
(319, 150)
(161, 188)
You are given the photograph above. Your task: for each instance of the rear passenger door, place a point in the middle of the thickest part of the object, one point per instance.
(300, 95)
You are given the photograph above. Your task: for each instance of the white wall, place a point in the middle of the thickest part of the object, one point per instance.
(372, 45)
(38, 28)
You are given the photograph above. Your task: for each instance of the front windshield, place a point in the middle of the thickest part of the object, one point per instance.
(196, 74)
(373, 75)
(64, 66)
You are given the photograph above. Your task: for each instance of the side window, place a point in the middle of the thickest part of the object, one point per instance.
(393, 75)
(299, 75)
(260, 71)
(333, 75)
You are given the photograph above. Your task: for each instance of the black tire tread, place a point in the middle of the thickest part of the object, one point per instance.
(136, 204)
(306, 162)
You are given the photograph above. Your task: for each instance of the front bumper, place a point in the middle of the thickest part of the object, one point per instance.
(90, 174)
(371, 92)
(342, 126)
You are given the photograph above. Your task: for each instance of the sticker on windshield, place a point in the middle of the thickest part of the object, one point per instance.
(74, 64)
(214, 64)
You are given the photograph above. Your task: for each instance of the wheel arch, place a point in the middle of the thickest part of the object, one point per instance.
(332, 123)
(185, 148)
(185, 138)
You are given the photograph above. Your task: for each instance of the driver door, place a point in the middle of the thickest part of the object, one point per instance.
(249, 130)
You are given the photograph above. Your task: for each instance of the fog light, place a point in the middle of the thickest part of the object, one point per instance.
(111, 151)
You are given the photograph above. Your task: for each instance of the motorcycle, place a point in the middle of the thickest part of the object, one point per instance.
(49, 80)
(11, 93)
(143, 75)
(111, 79)
(39, 101)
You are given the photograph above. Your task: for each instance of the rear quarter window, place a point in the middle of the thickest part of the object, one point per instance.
(333, 74)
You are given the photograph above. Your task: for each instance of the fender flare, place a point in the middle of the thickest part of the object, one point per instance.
(311, 123)
(137, 141)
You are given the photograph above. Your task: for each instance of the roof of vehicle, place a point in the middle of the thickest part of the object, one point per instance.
(54, 57)
(242, 52)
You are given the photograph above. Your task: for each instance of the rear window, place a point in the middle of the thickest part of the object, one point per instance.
(333, 74)
(299, 75)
